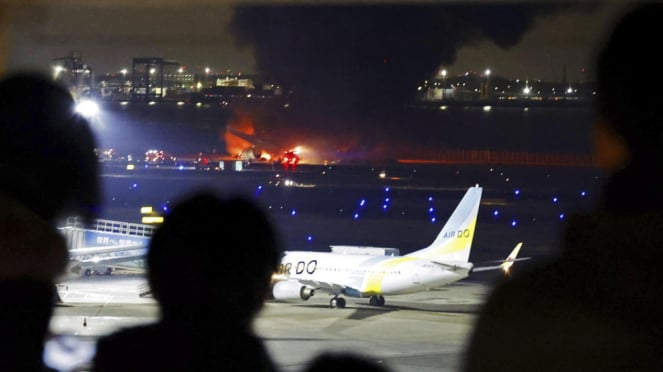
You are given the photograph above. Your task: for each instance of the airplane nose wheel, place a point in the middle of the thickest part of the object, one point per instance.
(337, 302)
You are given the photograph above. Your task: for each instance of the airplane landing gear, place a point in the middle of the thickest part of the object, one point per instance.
(376, 301)
(337, 302)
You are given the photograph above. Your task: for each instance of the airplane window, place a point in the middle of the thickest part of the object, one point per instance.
(358, 125)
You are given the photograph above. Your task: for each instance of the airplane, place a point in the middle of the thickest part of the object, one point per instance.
(362, 273)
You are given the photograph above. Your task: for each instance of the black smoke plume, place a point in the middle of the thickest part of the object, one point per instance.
(350, 66)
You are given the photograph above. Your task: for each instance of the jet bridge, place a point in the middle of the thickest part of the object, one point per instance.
(105, 244)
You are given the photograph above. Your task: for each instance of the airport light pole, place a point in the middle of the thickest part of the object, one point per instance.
(487, 86)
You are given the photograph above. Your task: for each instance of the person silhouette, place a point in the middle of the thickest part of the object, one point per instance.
(209, 266)
(598, 305)
(50, 170)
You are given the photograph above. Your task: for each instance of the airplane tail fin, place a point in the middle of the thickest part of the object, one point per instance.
(454, 241)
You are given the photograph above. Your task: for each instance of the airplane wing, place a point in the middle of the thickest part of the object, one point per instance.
(505, 264)
(455, 266)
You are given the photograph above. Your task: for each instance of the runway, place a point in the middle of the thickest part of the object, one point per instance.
(424, 332)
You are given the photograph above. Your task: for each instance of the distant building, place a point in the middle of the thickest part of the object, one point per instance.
(152, 77)
(475, 88)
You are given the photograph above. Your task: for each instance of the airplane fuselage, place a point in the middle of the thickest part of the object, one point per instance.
(370, 275)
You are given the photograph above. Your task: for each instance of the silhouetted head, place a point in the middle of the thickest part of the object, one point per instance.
(629, 81)
(213, 257)
(629, 130)
(47, 151)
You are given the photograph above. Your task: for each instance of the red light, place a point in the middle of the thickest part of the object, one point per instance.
(290, 160)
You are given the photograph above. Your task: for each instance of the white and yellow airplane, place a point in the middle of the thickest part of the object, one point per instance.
(362, 273)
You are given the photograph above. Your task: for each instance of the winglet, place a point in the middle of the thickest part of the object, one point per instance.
(506, 265)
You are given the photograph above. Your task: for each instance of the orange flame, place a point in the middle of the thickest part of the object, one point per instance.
(241, 123)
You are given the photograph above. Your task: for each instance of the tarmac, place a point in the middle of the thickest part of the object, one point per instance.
(426, 331)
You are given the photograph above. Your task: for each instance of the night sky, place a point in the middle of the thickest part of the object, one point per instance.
(510, 38)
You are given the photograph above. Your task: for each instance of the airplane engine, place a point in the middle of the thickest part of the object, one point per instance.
(291, 291)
